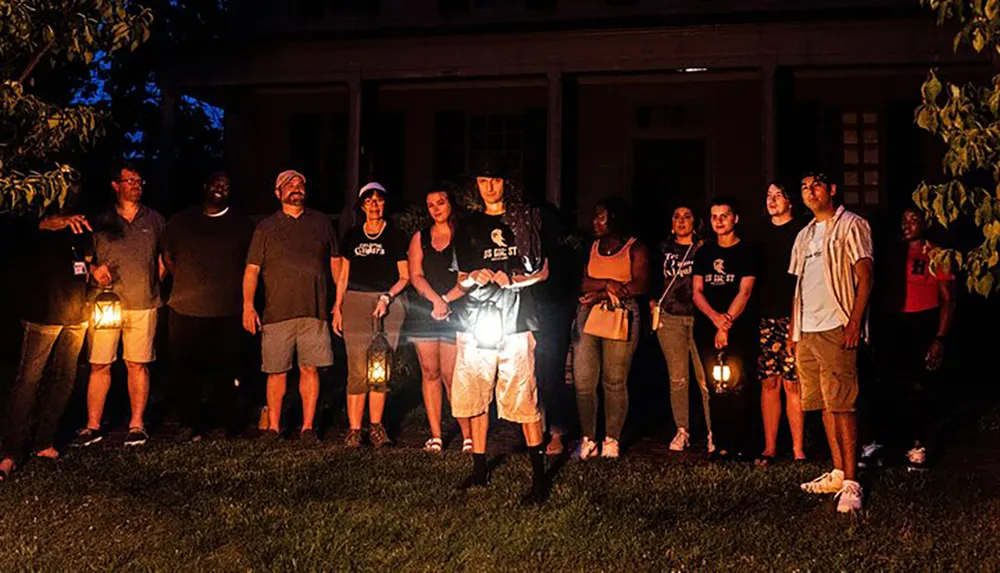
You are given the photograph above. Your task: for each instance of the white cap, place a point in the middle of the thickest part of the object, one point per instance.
(373, 186)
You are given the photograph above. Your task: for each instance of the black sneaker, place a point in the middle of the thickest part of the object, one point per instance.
(188, 436)
(86, 437)
(269, 436)
(309, 437)
(136, 437)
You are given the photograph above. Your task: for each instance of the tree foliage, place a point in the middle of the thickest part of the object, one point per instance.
(39, 37)
(967, 119)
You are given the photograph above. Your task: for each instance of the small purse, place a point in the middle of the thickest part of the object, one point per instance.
(657, 309)
(609, 319)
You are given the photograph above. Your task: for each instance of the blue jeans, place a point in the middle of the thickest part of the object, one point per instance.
(28, 399)
(598, 360)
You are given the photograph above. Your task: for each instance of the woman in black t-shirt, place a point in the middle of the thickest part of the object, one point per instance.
(432, 328)
(675, 328)
(374, 273)
(724, 274)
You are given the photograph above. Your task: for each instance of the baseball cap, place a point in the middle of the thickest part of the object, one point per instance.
(286, 176)
(373, 186)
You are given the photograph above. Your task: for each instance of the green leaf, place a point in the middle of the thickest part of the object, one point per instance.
(978, 39)
(992, 9)
(984, 285)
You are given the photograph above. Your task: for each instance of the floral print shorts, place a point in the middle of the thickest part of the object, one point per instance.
(775, 360)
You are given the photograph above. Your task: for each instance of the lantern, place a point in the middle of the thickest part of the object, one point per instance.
(107, 311)
(488, 328)
(378, 366)
(723, 377)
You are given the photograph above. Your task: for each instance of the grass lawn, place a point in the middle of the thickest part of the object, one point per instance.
(244, 505)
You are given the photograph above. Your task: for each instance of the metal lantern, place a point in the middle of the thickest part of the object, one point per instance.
(107, 311)
(723, 378)
(488, 328)
(378, 366)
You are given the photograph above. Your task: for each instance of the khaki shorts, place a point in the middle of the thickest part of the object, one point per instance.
(137, 335)
(510, 368)
(828, 373)
(307, 337)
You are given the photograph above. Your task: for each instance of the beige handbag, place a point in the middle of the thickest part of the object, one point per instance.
(609, 319)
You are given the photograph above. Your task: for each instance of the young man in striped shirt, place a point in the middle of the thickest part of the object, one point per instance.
(832, 258)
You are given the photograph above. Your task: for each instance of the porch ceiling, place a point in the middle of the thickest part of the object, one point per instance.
(885, 43)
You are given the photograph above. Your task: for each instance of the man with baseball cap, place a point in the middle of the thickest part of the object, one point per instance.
(295, 251)
(499, 258)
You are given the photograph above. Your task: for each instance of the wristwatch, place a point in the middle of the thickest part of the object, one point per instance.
(388, 296)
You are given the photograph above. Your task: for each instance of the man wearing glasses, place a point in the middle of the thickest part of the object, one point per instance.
(127, 261)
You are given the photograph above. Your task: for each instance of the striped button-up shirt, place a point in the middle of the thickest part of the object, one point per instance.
(848, 239)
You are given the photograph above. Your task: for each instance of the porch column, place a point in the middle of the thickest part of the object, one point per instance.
(769, 121)
(353, 139)
(553, 186)
(169, 94)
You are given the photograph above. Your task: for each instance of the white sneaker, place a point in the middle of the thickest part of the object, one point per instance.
(849, 497)
(680, 441)
(917, 455)
(609, 449)
(870, 457)
(711, 444)
(830, 482)
(585, 450)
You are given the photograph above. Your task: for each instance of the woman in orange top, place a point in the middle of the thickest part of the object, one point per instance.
(618, 267)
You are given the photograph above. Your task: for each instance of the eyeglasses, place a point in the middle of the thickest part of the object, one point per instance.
(133, 181)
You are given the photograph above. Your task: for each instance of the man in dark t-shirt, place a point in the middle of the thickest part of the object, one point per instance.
(295, 252)
(55, 325)
(499, 257)
(776, 288)
(724, 274)
(204, 248)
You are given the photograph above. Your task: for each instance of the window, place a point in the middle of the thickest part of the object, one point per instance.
(862, 158)
(499, 134)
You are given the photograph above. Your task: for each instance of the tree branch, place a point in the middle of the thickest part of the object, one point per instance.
(34, 61)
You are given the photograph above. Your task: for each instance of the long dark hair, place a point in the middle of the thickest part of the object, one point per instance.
(448, 188)
(699, 221)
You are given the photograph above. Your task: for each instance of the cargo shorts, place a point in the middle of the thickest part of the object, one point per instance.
(509, 370)
(828, 372)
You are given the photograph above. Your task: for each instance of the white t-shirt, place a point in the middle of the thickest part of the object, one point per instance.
(819, 309)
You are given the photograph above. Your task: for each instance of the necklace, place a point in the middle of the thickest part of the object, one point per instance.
(377, 235)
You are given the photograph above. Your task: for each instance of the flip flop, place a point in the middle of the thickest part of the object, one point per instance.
(467, 446)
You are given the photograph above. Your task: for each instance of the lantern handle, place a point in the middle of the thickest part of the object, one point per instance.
(378, 324)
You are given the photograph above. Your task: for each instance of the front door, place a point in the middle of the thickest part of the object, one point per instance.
(666, 172)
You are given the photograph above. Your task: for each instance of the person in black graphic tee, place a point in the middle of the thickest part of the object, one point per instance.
(499, 257)
(374, 273)
(724, 273)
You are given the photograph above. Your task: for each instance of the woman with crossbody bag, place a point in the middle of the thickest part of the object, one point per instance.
(607, 327)
(673, 324)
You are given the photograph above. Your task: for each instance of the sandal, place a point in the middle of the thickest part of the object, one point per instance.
(467, 446)
(433, 445)
(763, 460)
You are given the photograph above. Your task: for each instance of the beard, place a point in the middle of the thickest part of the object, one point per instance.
(294, 199)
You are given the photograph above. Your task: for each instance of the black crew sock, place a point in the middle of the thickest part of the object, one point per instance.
(479, 469)
(537, 465)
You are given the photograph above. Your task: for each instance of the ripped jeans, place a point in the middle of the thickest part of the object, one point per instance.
(676, 337)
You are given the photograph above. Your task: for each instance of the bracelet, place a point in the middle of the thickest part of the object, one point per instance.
(387, 296)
